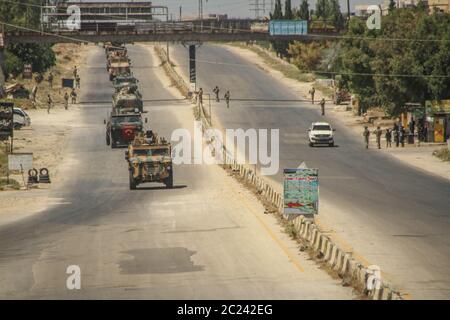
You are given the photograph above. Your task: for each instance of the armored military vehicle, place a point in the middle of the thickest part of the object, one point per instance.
(117, 68)
(125, 81)
(125, 102)
(122, 129)
(149, 160)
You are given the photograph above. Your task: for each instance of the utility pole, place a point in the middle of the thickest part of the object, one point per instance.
(348, 9)
(181, 13)
(200, 9)
(258, 6)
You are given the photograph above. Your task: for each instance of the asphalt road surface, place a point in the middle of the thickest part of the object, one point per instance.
(205, 239)
(388, 213)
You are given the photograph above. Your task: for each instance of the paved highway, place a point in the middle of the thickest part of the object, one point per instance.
(383, 211)
(206, 239)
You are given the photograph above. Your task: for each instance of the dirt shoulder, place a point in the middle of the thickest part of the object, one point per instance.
(46, 139)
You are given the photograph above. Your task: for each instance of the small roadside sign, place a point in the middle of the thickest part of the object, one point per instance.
(20, 161)
(68, 83)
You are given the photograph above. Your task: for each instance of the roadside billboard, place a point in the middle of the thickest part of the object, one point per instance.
(288, 27)
(301, 191)
(20, 162)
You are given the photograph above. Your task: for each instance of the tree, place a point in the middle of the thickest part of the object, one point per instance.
(322, 9)
(303, 13)
(278, 46)
(335, 14)
(288, 14)
(392, 6)
(391, 73)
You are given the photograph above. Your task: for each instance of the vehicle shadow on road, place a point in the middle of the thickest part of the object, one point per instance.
(160, 188)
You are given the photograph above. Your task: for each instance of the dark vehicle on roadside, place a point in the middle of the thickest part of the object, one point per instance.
(122, 129)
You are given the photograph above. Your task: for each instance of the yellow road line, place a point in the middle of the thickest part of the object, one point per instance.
(289, 254)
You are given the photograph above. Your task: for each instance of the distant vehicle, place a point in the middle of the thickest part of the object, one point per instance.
(125, 102)
(125, 81)
(21, 118)
(149, 160)
(321, 133)
(122, 129)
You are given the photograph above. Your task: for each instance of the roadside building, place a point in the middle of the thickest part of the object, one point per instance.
(438, 119)
(439, 5)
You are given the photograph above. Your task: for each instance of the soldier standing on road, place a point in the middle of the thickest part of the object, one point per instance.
(378, 132)
(402, 136)
(49, 103)
(388, 137)
(366, 135)
(227, 98)
(217, 91)
(312, 92)
(73, 95)
(75, 72)
(322, 106)
(66, 101)
(396, 135)
(50, 79)
(200, 96)
(78, 82)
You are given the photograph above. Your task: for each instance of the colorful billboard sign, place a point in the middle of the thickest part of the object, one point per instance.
(301, 191)
(288, 27)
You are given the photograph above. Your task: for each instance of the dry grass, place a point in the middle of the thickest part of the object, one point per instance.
(288, 70)
(67, 56)
(443, 154)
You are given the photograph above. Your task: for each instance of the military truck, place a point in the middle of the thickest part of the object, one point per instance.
(122, 129)
(125, 81)
(117, 68)
(149, 160)
(125, 102)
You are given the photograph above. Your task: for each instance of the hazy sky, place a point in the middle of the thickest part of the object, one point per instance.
(239, 8)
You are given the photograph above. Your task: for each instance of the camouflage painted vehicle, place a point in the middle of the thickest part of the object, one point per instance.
(117, 68)
(125, 81)
(122, 129)
(127, 102)
(149, 160)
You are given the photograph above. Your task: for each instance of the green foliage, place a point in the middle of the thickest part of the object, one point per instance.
(41, 57)
(303, 13)
(288, 14)
(386, 59)
(305, 56)
(13, 65)
(322, 9)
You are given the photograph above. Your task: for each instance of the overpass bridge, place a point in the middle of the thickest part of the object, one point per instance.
(132, 37)
(233, 30)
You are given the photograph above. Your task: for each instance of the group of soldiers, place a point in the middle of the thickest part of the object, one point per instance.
(73, 94)
(312, 92)
(398, 133)
(216, 91)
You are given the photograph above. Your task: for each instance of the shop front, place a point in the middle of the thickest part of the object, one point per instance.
(438, 118)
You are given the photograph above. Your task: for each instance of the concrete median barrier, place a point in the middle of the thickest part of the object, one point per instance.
(321, 246)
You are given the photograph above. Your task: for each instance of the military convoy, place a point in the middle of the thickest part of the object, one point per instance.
(148, 156)
(149, 160)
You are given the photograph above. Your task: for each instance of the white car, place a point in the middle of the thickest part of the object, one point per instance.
(21, 118)
(321, 133)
